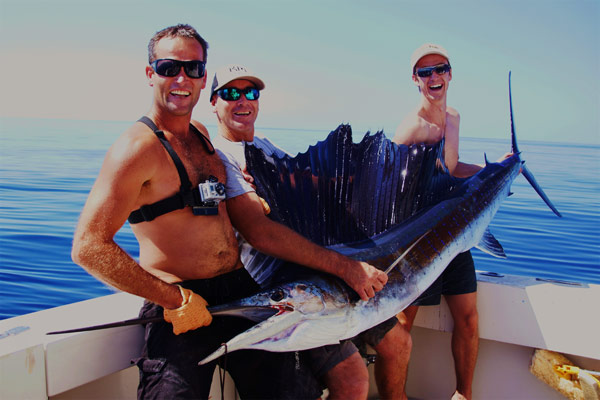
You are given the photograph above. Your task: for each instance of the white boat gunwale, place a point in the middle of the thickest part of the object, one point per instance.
(517, 315)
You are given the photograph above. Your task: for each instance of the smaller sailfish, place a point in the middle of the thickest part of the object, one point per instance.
(413, 242)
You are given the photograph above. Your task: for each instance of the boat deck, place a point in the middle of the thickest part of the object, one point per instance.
(517, 315)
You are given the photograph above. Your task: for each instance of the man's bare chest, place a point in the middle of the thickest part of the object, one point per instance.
(199, 163)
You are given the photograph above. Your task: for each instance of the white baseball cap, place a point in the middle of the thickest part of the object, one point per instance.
(424, 50)
(231, 72)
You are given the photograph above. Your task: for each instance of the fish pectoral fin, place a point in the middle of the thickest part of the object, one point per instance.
(489, 244)
(321, 332)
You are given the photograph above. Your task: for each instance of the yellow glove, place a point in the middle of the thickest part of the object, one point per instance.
(265, 205)
(191, 315)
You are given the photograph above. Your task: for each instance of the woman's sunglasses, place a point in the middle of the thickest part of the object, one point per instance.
(440, 69)
(233, 94)
(170, 68)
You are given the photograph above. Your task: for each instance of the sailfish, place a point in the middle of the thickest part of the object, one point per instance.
(390, 205)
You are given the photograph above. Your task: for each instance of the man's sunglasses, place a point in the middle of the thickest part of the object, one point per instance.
(440, 69)
(233, 94)
(170, 68)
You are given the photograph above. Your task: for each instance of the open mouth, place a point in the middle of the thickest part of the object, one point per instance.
(183, 93)
(242, 113)
(436, 87)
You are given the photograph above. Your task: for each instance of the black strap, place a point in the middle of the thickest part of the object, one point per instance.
(176, 202)
(210, 149)
(183, 176)
(187, 196)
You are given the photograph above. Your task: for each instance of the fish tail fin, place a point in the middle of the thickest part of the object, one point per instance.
(529, 176)
(515, 149)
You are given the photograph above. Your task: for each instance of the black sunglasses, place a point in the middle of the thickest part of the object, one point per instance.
(233, 94)
(440, 69)
(170, 68)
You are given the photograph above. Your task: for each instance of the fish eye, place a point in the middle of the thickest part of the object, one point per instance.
(277, 295)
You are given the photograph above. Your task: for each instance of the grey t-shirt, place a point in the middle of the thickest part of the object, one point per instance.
(234, 158)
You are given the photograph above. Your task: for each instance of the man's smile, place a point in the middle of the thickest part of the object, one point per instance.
(179, 92)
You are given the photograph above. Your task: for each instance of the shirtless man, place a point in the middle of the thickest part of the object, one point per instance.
(235, 98)
(431, 122)
(188, 250)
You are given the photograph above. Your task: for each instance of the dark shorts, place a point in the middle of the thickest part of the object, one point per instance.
(373, 336)
(458, 278)
(169, 364)
(322, 359)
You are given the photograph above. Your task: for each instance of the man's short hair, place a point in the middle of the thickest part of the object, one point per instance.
(180, 30)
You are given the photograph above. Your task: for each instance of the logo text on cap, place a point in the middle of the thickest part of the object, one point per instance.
(237, 68)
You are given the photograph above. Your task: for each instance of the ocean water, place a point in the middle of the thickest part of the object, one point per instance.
(47, 168)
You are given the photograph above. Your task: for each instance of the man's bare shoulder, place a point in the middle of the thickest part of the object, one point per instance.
(137, 146)
(200, 126)
(409, 130)
(452, 112)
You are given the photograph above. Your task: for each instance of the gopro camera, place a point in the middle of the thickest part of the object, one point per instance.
(211, 193)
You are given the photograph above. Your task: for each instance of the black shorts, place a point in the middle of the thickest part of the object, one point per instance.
(169, 363)
(324, 358)
(458, 278)
(373, 336)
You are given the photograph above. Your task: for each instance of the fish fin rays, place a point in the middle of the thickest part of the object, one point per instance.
(490, 245)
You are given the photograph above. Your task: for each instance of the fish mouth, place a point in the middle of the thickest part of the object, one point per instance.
(250, 312)
(282, 308)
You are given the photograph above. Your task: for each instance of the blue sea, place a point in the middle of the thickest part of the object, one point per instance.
(47, 168)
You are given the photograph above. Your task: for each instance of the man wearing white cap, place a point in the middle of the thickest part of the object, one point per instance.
(234, 96)
(432, 122)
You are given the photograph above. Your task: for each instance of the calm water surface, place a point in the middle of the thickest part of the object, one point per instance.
(47, 168)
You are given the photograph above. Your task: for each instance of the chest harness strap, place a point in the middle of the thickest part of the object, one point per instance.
(187, 196)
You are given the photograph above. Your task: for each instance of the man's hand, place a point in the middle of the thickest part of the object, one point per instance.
(364, 278)
(504, 157)
(248, 178)
(191, 315)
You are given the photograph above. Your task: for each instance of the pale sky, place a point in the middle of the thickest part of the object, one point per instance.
(324, 62)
